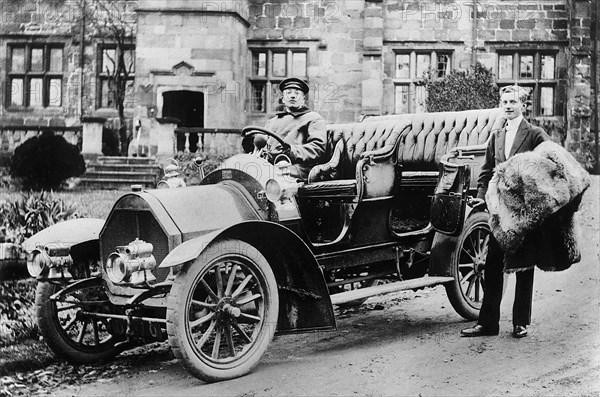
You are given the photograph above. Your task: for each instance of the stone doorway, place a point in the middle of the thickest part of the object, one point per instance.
(188, 108)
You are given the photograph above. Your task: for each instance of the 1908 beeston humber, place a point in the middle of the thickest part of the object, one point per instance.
(219, 268)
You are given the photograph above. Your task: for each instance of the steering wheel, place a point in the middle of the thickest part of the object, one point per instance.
(252, 130)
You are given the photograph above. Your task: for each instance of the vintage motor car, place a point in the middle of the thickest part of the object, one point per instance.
(218, 269)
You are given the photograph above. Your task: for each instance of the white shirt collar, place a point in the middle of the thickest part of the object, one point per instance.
(513, 124)
(511, 131)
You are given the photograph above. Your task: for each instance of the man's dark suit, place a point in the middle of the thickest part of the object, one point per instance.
(526, 139)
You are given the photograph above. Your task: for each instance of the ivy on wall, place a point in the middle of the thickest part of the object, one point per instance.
(473, 88)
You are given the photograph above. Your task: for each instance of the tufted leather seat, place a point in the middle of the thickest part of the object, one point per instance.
(414, 142)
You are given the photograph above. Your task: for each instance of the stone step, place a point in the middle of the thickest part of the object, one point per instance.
(113, 184)
(111, 172)
(140, 168)
(125, 160)
(123, 176)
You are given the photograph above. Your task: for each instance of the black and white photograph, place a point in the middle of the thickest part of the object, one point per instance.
(254, 198)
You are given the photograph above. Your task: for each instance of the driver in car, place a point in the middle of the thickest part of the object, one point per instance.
(303, 129)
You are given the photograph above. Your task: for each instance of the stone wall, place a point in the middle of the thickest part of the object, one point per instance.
(203, 46)
(333, 32)
(581, 113)
(195, 47)
(58, 22)
(39, 22)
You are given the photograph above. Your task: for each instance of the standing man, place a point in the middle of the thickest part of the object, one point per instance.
(303, 129)
(516, 137)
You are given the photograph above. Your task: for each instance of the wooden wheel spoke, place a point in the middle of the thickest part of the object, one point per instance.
(217, 343)
(480, 236)
(467, 276)
(219, 279)
(70, 323)
(468, 279)
(472, 256)
(229, 339)
(82, 331)
(241, 287)
(476, 239)
(96, 336)
(231, 280)
(472, 243)
(248, 299)
(241, 332)
(469, 265)
(469, 289)
(249, 318)
(206, 305)
(202, 320)
(206, 334)
(484, 245)
(67, 307)
(209, 290)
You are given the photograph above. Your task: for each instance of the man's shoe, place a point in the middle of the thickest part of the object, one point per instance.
(520, 331)
(478, 330)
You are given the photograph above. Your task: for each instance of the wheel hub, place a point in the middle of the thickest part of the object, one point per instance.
(225, 308)
(479, 266)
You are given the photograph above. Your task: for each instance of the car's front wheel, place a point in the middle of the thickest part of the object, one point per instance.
(70, 324)
(222, 311)
(467, 262)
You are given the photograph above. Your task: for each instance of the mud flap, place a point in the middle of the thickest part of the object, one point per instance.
(449, 200)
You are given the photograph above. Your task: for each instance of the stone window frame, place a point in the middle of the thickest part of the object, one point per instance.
(103, 77)
(50, 79)
(536, 82)
(266, 85)
(411, 86)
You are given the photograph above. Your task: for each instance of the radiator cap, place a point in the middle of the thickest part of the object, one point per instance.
(136, 188)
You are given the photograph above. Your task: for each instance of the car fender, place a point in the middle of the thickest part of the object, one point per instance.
(304, 302)
(71, 232)
(442, 248)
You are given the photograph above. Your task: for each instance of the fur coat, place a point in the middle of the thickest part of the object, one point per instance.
(532, 199)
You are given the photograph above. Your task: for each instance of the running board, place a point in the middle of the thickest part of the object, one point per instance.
(367, 292)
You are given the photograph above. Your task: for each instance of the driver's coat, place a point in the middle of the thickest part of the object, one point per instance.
(306, 133)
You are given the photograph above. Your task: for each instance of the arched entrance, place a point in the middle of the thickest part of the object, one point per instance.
(188, 107)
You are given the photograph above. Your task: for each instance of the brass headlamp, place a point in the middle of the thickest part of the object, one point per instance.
(52, 261)
(131, 263)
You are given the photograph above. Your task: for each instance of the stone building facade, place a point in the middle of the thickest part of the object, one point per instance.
(216, 64)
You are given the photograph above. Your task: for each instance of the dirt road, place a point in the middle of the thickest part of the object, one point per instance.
(408, 344)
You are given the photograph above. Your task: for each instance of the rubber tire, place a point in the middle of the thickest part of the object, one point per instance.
(176, 312)
(54, 335)
(453, 289)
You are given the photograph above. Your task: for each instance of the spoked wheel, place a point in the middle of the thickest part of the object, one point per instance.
(468, 267)
(222, 311)
(69, 326)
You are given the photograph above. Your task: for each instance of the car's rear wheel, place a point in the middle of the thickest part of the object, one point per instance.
(222, 311)
(465, 292)
(69, 326)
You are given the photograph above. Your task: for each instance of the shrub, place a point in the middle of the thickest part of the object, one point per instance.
(17, 311)
(462, 90)
(45, 162)
(5, 179)
(19, 219)
(30, 213)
